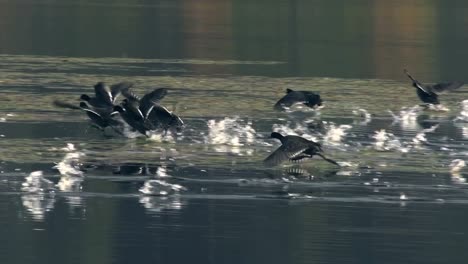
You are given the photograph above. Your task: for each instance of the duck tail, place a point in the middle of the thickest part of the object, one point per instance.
(329, 160)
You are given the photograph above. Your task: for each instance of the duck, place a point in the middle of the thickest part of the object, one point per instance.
(148, 111)
(135, 121)
(101, 119)
(161, 118)
(292, 97)
(294, 148)
(429, 94)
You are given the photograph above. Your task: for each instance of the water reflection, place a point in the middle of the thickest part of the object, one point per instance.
(38, 197)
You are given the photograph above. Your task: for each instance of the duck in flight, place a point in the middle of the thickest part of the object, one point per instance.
(429, 93)
(294, 148)
(292, 97)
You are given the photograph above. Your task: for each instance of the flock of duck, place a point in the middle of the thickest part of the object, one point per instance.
(147, 115)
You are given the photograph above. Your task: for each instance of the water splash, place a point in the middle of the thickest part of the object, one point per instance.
(297, 130)
(39, 197)
(437, 108)
(36, 183)
(364, 115)
(160, 188)
(230, 131)
(160, 137)
(407, 117)
(335, 133)
(161, 172)
(463, 115)
(70, 184)
(70, 164)
(455, 167)
(385, 141)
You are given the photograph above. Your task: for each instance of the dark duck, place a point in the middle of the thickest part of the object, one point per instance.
(292, 97)
(100, 109)
(429, 93)
(294, 148)
(146, 113)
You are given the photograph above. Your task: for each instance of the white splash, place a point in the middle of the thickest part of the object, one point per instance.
(421, 136)
(437, 107)
(335, 133)
(36, 183)
(70, 147)
(463, 115)
(456, 165)
(162, 172)
(365, 116)
(385, 141)
(407, 117)
(69, 166)
(39, 197)
(230, 131)
(298, 130)
(160, 188)
(70, 184)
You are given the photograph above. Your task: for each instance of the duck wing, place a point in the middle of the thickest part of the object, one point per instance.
(284, 153)
(116, 89)
(445, 87)
(127, 93)
(148, 101)
(103, 93)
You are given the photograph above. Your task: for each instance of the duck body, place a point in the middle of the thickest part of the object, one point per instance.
(294, 148)
(292, 97)
(429, 94)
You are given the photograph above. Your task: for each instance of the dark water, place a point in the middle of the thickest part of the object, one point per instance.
(394, 200)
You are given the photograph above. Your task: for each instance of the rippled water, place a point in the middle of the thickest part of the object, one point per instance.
(69, 193)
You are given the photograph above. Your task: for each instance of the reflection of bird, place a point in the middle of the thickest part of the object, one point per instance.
(309, 99)
(429, 93)
(294, 148)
